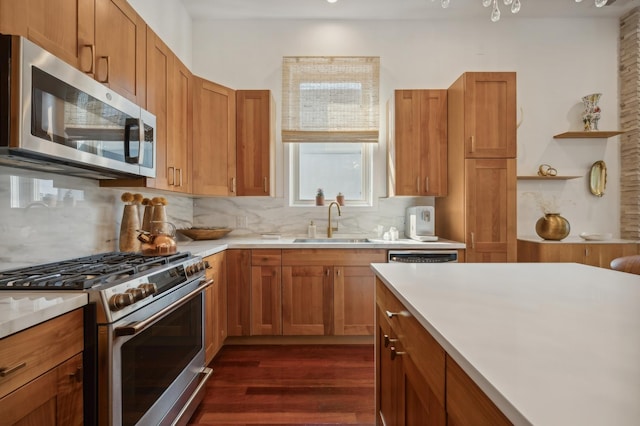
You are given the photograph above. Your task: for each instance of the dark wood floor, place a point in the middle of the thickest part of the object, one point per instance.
(290, 385)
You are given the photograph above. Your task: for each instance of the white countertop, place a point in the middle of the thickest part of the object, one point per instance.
(575, 240)
(549, 343)
(209, 247)
(20, 310)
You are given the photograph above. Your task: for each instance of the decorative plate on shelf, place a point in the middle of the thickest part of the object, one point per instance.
(205, 233)
(596, 237)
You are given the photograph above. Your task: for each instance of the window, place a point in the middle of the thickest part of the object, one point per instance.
(330, 115)
(334, 167)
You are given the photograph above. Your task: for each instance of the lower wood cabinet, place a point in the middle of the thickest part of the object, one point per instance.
(595, 253)
(42, 380)
(410, 368)
(301, 292)
(416, 381)
(266, 292)
(215, 315)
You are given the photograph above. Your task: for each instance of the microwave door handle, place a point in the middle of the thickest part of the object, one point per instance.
(129, 123)
(140, 145)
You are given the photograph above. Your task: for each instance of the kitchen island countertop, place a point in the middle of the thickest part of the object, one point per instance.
(549, 343)
(20, 310)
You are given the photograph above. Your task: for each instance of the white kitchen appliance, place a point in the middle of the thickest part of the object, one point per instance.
(420, 222)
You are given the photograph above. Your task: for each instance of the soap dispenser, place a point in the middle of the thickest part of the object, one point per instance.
(311, 232)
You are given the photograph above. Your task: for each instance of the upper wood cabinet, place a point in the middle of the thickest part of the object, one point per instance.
(485, 111)
(418, 143)
(214, 139)
(179, 159)
(255, 146)
(169, 96)
(120, 59)
(480, 208)
(63, 27)
(103, 38)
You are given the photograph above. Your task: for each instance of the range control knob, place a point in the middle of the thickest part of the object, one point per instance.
(148, 289)
(137, 293)
(120, 300)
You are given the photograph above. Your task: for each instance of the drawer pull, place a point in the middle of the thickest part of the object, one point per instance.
(388, 340)
(397, 314)
(5, 371)
(395, 353)
(77, 376)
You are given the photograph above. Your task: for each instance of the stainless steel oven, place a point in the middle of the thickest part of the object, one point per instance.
(154, 360)
(144, 356)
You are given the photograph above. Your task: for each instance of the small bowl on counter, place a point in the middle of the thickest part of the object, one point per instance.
(205, 233)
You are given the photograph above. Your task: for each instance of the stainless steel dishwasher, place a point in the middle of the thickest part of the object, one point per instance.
(422, 256)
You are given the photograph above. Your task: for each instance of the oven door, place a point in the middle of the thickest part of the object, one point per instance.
(153, 367)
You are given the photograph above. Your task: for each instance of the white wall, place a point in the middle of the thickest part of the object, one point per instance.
(557, 62)
(170, 20)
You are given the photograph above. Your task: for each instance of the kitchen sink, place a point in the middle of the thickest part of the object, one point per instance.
(331, 240)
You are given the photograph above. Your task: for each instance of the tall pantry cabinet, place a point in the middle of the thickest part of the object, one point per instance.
(480, 208)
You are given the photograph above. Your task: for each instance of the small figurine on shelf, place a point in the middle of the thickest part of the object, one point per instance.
(320, 197)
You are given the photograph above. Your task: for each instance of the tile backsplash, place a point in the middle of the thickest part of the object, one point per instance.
(48, 217)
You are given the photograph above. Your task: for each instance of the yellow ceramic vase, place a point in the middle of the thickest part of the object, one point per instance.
(552, 226)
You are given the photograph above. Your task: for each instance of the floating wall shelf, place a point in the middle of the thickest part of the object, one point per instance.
(596, 134)
(533, 177)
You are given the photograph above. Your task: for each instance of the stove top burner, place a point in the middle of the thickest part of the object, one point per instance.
(84, 272)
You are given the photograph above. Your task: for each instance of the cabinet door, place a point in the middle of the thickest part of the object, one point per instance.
(62, 27)
(307, 296)
(602, 254)
(490, 215)
(407, 147)
(266, 302)
(159, 64)
(215, 324)
(417, 401)
(467, 405)
(70, 392)
(214, 139)
(420, 146)
(353, 300)
(253, 142)
(54, 398)
(490, 114)
(120, 48)
(388, 373)
(180, 128)
(238, 292)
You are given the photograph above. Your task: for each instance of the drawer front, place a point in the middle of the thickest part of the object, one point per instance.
(29, 353)
(426, 354)
(266, 257)
(334, 257)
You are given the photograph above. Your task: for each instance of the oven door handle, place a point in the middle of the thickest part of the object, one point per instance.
(137, 327)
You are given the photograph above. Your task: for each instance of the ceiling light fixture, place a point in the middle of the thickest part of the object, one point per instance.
(333, 1)
(515, 6)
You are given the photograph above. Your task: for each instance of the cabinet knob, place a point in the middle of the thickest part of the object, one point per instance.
(388, 340)
(77, 376)
(395, 353)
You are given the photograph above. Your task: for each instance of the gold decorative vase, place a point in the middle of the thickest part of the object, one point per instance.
(552, 226)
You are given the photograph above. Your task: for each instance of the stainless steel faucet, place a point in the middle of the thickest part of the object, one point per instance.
(330, 229)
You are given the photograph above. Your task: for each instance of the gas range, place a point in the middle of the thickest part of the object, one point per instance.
(118, 283)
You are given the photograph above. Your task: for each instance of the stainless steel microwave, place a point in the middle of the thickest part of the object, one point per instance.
(54, 118)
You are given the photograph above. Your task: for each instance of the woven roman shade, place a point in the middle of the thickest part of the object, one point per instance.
(330, 99)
